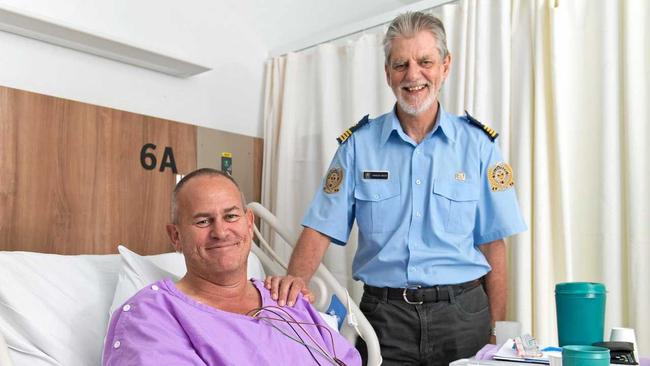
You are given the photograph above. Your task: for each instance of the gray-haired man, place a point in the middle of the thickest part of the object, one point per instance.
(433, 200)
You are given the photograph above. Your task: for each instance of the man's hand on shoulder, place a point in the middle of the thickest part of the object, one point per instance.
(285, 289)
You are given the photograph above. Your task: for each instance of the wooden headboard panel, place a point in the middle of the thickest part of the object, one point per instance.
(73, 177)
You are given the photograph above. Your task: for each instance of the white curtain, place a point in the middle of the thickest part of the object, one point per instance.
(565, 82)
(311, 98)
(600, 77)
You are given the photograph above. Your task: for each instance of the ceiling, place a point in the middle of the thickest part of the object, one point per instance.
(282, 22)
(195, 27)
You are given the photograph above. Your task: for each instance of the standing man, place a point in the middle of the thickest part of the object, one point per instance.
(433, 200)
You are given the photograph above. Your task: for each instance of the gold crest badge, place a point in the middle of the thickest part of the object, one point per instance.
(333, 180)
(500, 177)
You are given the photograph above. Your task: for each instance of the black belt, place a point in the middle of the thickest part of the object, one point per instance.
(419, 295)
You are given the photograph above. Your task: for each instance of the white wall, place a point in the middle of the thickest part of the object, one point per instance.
(232, 37)
(226, 98)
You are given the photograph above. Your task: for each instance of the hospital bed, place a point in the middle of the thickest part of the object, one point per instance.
(54, 309)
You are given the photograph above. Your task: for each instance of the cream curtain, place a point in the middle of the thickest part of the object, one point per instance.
(566, 84)
(600, 77)
(311, 98)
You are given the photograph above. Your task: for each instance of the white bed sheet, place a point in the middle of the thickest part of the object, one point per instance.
(54, 309)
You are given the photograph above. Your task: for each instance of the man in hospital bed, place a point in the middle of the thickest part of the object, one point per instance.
(215, 315)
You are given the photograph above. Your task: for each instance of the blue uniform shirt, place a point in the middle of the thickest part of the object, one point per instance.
(422, 210)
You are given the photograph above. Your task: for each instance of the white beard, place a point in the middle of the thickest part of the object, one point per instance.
(418, 108)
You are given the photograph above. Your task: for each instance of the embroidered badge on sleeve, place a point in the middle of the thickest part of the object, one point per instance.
(500, 177)
(333, 180)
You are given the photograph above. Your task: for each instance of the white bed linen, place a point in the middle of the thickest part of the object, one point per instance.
(54, 309)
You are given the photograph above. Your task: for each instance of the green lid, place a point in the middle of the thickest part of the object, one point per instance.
(580, 288)
(585, 352)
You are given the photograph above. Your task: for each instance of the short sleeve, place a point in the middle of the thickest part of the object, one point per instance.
(498, 215)
(331, 212)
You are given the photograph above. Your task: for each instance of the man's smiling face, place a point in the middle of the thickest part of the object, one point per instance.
(416, 71)
(213, 230)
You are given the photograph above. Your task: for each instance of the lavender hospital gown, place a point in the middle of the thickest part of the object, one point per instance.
(162, 326)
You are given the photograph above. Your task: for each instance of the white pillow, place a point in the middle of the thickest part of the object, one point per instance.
(138, 271)
(54, 308)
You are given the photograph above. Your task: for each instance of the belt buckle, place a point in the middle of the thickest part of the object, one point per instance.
(411, 287)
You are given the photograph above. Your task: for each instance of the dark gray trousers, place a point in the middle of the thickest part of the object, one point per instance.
(434, 333)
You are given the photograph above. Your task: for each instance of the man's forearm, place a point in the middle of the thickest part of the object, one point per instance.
(308, 254)
(496, 281)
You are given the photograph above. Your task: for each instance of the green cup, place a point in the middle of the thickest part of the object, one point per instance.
(585, 356)
(580, 312)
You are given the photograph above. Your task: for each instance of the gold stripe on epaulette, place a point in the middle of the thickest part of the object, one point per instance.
(344, 136)
(349, 131)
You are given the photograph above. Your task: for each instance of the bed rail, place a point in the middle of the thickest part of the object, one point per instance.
(323, 281)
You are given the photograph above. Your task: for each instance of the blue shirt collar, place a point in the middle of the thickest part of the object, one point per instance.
(444, 123)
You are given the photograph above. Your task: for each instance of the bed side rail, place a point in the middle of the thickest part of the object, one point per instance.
(323, 283)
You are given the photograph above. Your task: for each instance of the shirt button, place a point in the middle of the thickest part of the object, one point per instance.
(117, 344)
(155, 288)
(126, 307)
(418, 214)
(417, 181)
(411, 269)
(377, 196)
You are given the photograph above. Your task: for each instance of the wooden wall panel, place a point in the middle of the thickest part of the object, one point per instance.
(246, 158)
(258, 158)
(71, 181)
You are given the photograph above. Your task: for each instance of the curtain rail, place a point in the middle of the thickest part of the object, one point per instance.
(354, 28)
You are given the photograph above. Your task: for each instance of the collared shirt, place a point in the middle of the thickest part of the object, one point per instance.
(422, 209)
(160, 325)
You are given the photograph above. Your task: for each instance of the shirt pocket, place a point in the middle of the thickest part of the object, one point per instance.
(456, 203)
(377, 206)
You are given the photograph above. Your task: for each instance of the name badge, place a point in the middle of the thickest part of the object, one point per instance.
(375, 174)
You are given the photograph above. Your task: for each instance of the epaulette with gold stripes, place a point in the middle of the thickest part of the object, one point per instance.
(347, 133)
(492, 134)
